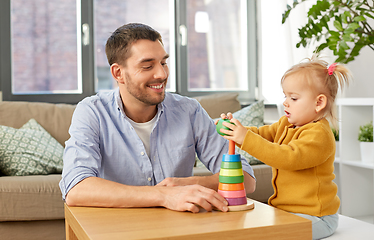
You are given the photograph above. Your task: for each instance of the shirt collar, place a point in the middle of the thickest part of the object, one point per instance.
(117, 96)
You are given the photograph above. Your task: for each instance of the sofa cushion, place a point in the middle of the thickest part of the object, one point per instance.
(54, 118)
(30, 150)
(218, 103)
(30, 198)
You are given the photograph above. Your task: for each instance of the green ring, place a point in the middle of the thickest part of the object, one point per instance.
(235, 179)
(231, 165)
(219, 126)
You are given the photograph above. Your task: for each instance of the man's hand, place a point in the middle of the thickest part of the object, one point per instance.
(189, 198)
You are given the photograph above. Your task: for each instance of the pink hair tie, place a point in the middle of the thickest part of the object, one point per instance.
(331, 69)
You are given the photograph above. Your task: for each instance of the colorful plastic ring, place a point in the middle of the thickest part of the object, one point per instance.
(236, 201)
(231, 187)
(231, 158)
(231, 172)
(231, 165)
(228, 179)
(232, 194)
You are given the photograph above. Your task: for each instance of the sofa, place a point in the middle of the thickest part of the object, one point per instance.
(31, 206)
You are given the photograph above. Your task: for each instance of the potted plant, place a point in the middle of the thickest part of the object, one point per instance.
(340, 25)
(336, 136)
(365, 136)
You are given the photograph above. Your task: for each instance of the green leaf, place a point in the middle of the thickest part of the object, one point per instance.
(365, 133)
(359, 18)
(348, 31)
(295, 2)
(347, 14)
(369, 15)
(343, 18)
(321, 47)
(347, 38)
(335, 34)
(338, 25)
(343, 46)
(353, 26)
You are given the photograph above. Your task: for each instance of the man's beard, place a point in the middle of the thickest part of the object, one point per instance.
(142, 95)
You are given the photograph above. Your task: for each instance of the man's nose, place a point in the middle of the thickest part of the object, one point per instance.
(161, 71)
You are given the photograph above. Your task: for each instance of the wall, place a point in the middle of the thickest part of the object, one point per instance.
(362, 69)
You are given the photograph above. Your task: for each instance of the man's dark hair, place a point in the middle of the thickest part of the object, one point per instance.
(118, 44)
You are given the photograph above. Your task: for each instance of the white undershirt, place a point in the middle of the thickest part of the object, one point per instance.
(144, 132)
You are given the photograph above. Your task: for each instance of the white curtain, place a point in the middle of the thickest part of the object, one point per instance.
(277, 45)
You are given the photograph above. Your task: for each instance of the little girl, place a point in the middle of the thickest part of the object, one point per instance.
(300, 147)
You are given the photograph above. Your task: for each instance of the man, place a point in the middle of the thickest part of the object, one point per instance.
(135, 146)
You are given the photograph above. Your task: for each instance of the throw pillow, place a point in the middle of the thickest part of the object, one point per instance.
(252, 115)
(30, 150)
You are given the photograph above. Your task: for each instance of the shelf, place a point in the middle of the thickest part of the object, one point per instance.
(357, 164)
(355, 179)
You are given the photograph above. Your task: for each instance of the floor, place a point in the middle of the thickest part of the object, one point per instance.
(368, 219)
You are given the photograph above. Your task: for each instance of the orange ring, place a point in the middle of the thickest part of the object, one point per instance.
(231, 187)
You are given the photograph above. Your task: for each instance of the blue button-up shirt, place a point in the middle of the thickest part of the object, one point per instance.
(104, 144)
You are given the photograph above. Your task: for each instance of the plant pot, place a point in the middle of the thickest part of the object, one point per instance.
(367, 152)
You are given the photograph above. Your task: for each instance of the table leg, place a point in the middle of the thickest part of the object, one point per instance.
(70, 235)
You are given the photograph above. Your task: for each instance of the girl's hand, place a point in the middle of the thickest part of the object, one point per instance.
(237, 132)
(228, 116)
(223, 116)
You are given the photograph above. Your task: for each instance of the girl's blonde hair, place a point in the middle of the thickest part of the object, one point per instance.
(323, 79)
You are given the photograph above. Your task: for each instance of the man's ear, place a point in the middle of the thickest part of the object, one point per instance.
(117, 72)
(321, 102)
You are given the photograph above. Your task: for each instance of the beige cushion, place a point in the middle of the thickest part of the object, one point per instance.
(54, 118)
(30, 198)
(218, 103)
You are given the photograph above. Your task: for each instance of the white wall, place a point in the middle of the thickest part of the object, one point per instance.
(362, 69)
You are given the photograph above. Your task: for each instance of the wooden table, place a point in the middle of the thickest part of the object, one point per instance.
(263, 222)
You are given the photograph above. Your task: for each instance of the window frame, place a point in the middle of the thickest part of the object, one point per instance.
(88, 62)
(245, 97)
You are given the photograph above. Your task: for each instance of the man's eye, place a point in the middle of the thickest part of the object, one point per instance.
(164, 64)
(147, 67)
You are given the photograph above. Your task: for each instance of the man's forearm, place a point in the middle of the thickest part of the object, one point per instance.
(98, 192)
(249, 183)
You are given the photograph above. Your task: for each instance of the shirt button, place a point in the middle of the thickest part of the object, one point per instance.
(142, 153)
(149, 179)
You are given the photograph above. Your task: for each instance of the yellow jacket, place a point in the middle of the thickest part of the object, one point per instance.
(302, 161)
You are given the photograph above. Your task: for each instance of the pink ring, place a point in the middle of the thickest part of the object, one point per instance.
(232, 194)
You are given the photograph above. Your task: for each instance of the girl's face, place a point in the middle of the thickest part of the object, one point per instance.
(300, 104)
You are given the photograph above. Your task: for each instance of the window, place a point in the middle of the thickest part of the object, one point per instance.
(41, 51)
(217, 47)
(53, 50)
(110, 14)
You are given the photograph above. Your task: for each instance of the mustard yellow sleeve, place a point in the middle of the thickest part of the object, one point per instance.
(290, 149)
